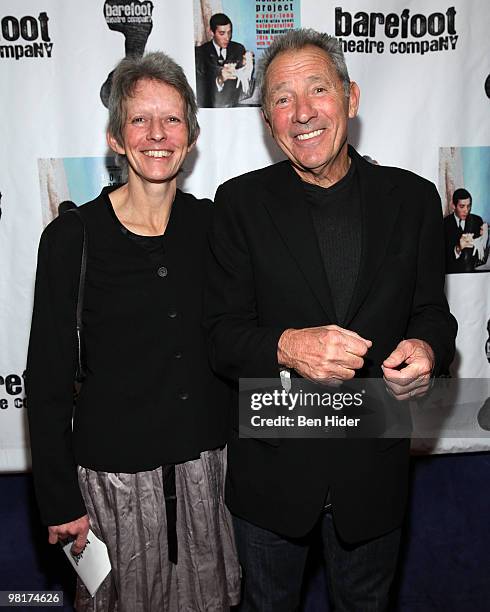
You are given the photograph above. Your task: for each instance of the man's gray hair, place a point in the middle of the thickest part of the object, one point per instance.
(155, 66)
(295, 40)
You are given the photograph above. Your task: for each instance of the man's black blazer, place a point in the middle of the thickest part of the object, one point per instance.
(266, 275)
(207, 69)
(466, 262)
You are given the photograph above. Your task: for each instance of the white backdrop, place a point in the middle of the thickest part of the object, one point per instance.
(412, 105)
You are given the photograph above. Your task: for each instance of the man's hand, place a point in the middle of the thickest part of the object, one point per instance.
(78, 528)
(466, 241)
(229, 71)
(323, 354)
(413, 379)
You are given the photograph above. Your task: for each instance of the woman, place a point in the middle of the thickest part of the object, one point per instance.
(144, 465)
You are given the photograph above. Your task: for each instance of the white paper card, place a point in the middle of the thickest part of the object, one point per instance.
(92, 564)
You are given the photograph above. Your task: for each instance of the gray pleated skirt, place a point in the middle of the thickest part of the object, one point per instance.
(127, 512)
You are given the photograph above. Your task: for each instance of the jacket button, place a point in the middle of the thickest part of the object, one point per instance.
(178, 355)
(183, 395)
(162, 272)
(172, 314)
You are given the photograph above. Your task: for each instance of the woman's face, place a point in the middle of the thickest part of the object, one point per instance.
(155, 136)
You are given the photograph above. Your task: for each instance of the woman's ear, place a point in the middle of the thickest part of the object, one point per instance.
(114, 145)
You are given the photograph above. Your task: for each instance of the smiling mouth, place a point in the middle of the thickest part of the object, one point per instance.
(309, 135)
(154, 153)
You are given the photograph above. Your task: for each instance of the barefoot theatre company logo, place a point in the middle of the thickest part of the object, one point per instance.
(25, 37)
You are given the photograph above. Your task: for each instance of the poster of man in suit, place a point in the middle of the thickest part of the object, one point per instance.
(464, 186)
(229, 38)
(224, 68)
(466, 236)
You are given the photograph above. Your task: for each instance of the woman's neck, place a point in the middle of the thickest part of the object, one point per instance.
(144, 207)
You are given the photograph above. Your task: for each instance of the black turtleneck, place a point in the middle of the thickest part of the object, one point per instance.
(336, 215)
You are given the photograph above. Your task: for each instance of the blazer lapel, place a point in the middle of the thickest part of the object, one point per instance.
(285, 201)
(213, 54)
(379, 211)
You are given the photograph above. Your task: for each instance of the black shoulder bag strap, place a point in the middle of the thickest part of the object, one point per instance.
(80, 371)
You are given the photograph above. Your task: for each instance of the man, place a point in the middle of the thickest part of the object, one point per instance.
(461, 229)
(223, 67)
(332, 267)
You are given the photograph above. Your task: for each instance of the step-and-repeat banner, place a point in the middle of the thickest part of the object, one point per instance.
(423, 68)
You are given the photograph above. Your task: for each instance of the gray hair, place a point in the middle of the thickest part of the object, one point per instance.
(295, 40)
(155, 66)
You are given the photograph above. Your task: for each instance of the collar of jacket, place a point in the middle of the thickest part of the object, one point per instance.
(286, 204)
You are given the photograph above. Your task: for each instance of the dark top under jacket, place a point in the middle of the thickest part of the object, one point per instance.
(336, 215)
(149, 397)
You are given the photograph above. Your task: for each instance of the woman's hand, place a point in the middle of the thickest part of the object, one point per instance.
(78, 528)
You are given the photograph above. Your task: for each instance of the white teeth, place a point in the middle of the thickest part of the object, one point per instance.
(157, 153)
(309, 135)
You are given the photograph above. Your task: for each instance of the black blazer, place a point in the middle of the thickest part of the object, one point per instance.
(266, 275)
(150, 396)
(466, 262)
(207, 69)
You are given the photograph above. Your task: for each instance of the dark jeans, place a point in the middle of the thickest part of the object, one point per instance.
(358, 577)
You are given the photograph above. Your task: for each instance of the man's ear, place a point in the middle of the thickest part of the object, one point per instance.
(266, 121)
(114, 145)
(354, 95)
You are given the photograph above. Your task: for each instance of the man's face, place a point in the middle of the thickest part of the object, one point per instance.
(462, 208)
(307, 112)
(222, 35)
